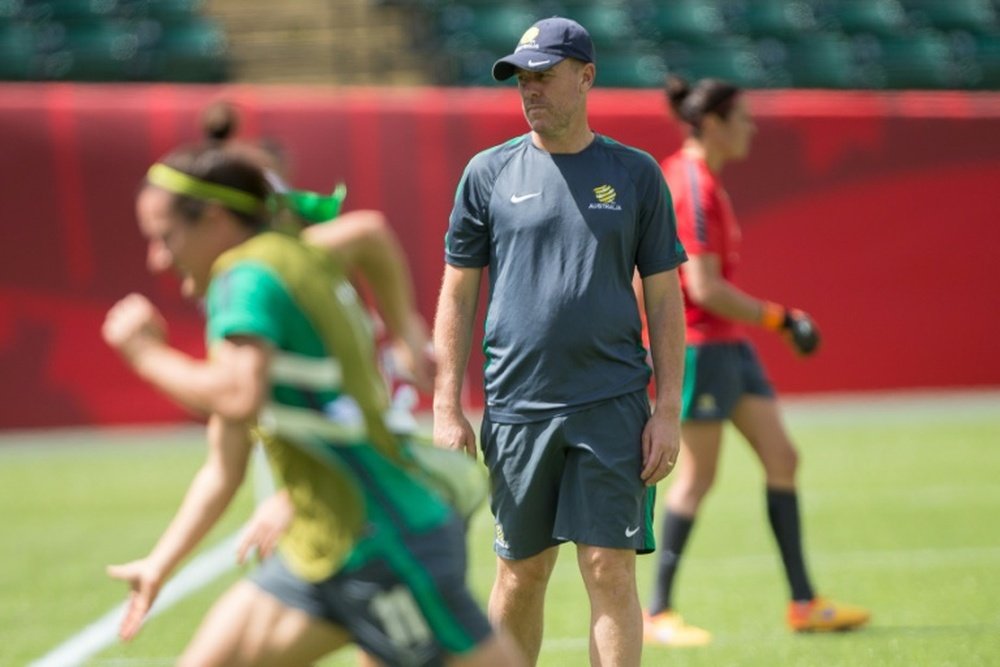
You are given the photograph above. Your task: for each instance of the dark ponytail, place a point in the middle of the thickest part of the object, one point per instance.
(690, 104)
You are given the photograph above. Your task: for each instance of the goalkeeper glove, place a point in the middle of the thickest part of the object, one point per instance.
(796, 325)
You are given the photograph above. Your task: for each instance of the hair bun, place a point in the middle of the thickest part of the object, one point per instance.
(677, 89)
(219, 121)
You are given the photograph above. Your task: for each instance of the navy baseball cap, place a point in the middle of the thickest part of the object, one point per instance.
(544, 45)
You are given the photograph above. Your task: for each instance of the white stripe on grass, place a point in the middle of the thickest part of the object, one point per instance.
(102, 633)
(199, 573)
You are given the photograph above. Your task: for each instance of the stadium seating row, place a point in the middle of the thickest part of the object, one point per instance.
(110, 40)
(757, 43)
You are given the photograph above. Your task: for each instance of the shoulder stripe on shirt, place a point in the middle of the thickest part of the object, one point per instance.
(700, 228)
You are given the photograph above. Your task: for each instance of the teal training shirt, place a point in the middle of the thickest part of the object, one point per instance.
(562, 235)
(323, 422)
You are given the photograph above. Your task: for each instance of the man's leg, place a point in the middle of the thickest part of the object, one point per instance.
(615, 613)
(247, 627)
(517, 601)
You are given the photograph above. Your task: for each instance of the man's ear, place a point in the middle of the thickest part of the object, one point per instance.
(588, 73)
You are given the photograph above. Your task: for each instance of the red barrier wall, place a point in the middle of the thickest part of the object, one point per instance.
(876, 212)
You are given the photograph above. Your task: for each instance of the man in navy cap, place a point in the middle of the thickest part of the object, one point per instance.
(563, 217)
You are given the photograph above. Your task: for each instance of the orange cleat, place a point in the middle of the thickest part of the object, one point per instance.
(669, 629)
(822, 615)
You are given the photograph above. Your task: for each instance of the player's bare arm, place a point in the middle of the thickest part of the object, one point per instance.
(231, 383)
(364, 243)
(207, 497)
(709, 289)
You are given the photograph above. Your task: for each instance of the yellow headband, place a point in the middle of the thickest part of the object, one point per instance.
(180, 183)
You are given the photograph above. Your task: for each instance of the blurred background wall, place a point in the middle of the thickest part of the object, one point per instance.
(870, 198)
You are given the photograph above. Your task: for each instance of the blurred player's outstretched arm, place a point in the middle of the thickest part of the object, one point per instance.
(229, 387)
(365, 245)
(707, 287)
(207, 497)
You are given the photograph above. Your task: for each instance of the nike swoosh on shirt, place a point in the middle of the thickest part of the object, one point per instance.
(536, 63)
(517, 199)
(629, 532)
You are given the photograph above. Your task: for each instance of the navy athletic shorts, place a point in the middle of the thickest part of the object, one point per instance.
(571, 478)
(716, 375)
(402, 599)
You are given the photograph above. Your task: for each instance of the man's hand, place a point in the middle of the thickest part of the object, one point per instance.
(132, 325)
(661, 443)
(266, 527)
(144, 581)
(453, 431)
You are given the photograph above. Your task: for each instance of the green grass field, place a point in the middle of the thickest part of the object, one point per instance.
(900, 498)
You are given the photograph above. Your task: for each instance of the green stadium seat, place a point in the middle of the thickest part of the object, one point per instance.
(609, 24)
(978, 16)
(64, 11)
(777, 18)
(734, 59)
(688, 21)
(986, 51)
(193, 52)
(165, 11)
(630, 68)
(494, 27)
(17, 53)
(923, 60)
(99, 52)
(878, 17)
(828, 60)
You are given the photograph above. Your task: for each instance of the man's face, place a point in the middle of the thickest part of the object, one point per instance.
(173, 242)
(553, 99)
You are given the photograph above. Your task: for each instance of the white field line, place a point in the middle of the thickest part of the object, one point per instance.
(102, 633)
(200, 572)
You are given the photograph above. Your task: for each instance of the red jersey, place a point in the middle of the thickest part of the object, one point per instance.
(706, 224)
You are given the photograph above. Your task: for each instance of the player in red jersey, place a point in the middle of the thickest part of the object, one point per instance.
(724, 379)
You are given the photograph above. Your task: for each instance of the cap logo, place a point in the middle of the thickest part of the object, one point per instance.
(529, 35)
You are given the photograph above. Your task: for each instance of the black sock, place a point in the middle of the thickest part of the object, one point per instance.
(783, 512)
(676, 529)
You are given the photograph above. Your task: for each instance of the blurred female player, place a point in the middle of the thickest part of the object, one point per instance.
(375, 555)
(724, 379)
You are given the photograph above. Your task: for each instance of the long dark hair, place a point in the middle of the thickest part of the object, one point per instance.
(691, 103)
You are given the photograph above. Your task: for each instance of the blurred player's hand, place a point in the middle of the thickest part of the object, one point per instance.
(414, 357)
(801, 332)
(796, 325)
(132, 324)
(144, 582)
(266, 527)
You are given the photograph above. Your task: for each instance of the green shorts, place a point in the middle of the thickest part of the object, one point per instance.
(716, 375)
(571, 478)
(403, 600)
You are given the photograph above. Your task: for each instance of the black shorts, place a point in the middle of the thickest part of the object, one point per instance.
(571, 478)
(716, 375)
(402, 599)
